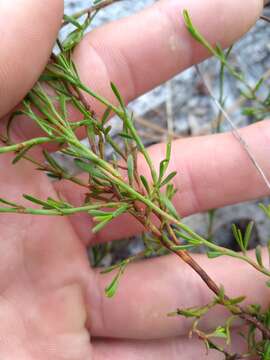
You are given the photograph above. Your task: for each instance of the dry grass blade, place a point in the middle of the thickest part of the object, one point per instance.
(157, 128)
(235, 131)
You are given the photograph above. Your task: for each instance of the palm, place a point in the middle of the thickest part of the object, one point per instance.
(50, 298)
(44, 278)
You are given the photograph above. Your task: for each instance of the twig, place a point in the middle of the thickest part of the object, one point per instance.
(239, 101)
(188, 259)
(169, 108)
(265, 18)
(141, 120)
(90, 9)
(148, 136)
(235, 131)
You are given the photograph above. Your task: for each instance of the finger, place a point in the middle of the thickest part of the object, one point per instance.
(212, 171)
(162, 349)
(142, 51)
(150, 289)
(28, 30)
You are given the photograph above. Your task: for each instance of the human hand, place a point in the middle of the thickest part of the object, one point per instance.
(50, 300)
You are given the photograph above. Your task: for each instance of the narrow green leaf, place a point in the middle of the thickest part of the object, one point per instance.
(254, 309)
(72, 21)
(145, 184)
(72, 40)
(90, 168)
(53, 176)
(162, 169)
(101, 218)
(213, 254)
(74, 37)
(249, 111)
(268, 250)
(259, 255)
(125, 136)
(196, 34)
(259, 84)
(58, 204)
(21, 154)
(106, 116)
(120, 211)
(91, 131)
(266, 209)
(183, 247)
(169, 205)
(51, 160)
(115, 147)
(130, 166)
(98, 213)
(112, 288)
(220, 53)
(236, 300)
(266, 352)
(170, 191)
(101, 224)
(248, 234)
(190, 240)
(111, 268)
(221, 294)
(63, 105)
(247, 95)
(169, 150)
(228, 326)
(163, 166)
(107, 130)
(118, 95)
(220, 332)
(238, 237)
(191, 312)
(168, 178)
(10, 203)
(35, 200)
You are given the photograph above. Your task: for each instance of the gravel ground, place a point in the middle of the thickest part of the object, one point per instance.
(183, 106)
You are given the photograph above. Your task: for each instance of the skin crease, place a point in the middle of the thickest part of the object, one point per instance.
(51, 303)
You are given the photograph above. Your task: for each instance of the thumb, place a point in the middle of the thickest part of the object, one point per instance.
(28, 30)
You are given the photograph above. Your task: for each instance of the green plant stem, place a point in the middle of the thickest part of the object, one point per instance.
(116, 178)
(60, 211)
(29, 143)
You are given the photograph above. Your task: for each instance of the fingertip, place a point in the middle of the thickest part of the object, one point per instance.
(220, 22)
(28, 29)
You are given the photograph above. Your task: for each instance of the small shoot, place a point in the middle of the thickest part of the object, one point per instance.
(102, 218)
(111, 289)
(243, 240)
